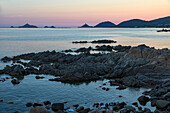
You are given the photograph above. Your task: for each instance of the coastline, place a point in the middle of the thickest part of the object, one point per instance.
(130, 67)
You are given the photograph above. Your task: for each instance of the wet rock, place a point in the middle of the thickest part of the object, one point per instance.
(10, 102)
(1, 100)
(39, 77)
(143, 100)
(104, 48)
(121, 87)
(76, 105)
(6, 59)
(140, 108)
(147, 110)
(121, 48)
(29, 104)
(16, 70)
(47, 102)
(69, 50)
(135, 104)
(16, 112)
(57, 106)
(110, 111)
(38, 110)
(130, 108)
(85, 110)
(162, 104)
(153, 103)
(15, 81)
(37, 104)
(80, 108)
(83, 49)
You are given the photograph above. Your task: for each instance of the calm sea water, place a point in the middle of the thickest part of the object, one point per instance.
(19, 41)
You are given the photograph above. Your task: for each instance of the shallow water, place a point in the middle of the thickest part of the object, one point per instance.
(19, 41)
(86, 94)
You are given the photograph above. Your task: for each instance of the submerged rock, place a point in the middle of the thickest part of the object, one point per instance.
(57, 106)
(38, 110)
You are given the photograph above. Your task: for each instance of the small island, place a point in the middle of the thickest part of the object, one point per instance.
(28, 26)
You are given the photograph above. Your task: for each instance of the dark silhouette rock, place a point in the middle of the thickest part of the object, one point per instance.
(103, 41)
(52, 27)
(28, 26)
(85, 26)
(75, 42)
(137, 23)
(46, 27)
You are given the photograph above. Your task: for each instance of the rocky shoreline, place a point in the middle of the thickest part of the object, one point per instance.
(139, 66)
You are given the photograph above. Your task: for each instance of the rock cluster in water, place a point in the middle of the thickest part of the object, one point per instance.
(139, 66)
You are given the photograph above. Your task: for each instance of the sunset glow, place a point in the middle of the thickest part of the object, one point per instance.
(78, 12)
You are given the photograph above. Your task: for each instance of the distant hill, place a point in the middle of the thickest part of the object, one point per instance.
(28, 26)
(106, 24)
(133, 23)
(86, 26)
(136, 23)
(161, 22)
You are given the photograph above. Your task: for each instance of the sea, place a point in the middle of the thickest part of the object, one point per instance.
(16, 41)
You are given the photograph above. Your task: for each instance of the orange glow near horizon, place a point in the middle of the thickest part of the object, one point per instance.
(76, 12)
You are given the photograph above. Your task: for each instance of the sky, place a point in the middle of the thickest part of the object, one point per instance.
(78, 12)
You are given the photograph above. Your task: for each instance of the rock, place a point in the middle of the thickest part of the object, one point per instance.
(85, 110)
(130, 108)
(37, 104)
(29, 104)
(143, 100)
(1, 100)
(103, 41)
(57, 106)
(140, 108)
(147, 110)
(110, 111)
(121, 87)
(135, 104)
(80, 108)
(76, 105)
(10, 102)
(153, 103)
(102, 111)
(16, 112)
(75, 42)
(47, 102)
(39, 77)
(162, 104)
(121, 105)
(15, 81)
(38, 110)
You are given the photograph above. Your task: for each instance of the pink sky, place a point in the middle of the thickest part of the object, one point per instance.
(78, 12)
